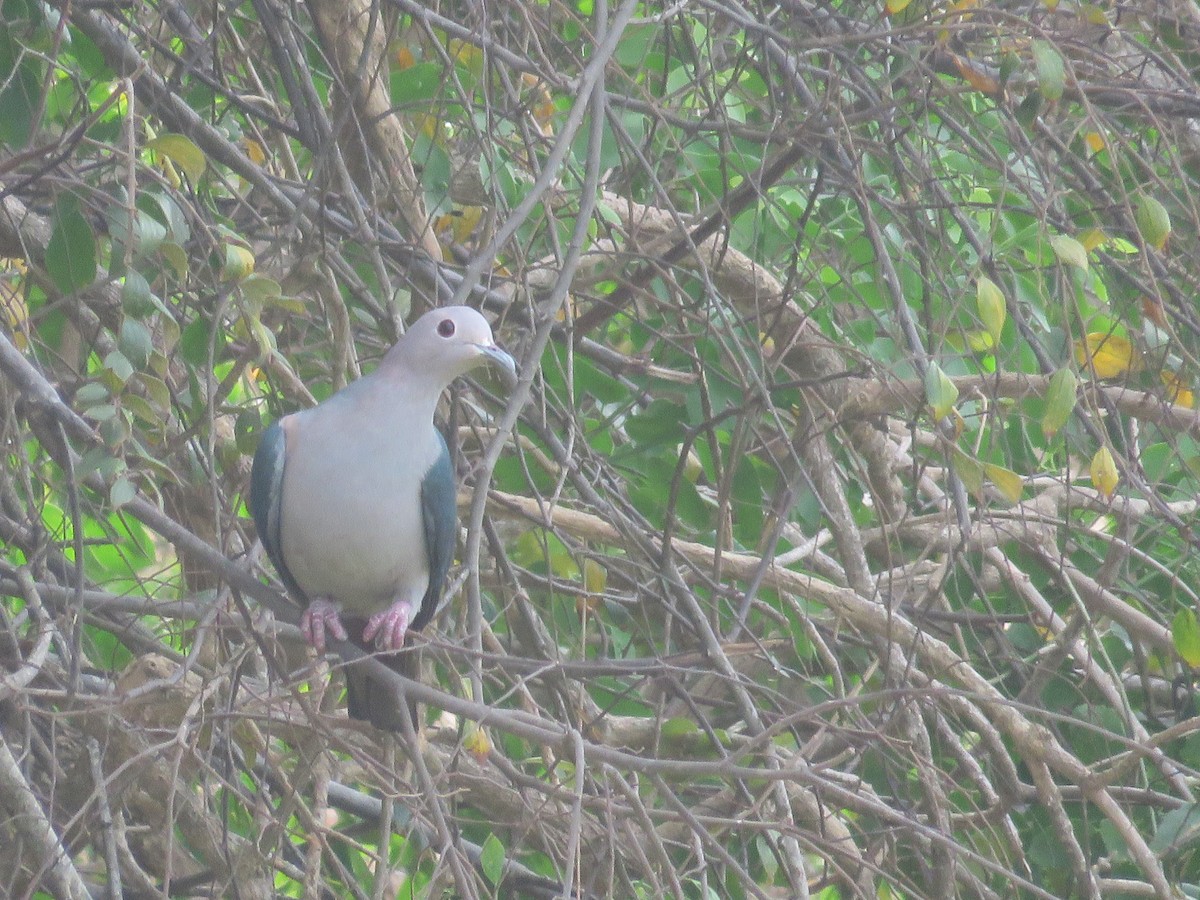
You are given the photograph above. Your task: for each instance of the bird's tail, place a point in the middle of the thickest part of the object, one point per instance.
(369, 698)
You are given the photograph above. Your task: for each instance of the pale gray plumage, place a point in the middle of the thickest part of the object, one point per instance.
(354, 498)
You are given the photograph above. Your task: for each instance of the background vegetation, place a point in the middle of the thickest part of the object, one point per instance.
(837, 541)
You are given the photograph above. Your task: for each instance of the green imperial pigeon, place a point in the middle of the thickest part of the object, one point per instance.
(354, 499)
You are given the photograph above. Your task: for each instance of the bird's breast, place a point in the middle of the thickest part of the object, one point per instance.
(351, 520)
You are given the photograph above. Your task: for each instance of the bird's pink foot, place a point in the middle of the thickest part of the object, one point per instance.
(387, 628)
(320, 618)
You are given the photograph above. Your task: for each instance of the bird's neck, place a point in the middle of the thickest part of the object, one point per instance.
(397, 390)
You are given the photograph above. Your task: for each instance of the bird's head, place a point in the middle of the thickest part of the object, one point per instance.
(452, 341)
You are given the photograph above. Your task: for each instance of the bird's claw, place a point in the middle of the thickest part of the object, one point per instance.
(388, 628)
(320, 618)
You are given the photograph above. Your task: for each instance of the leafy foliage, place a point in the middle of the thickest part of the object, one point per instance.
(835, 544)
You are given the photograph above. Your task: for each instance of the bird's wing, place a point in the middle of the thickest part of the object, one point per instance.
(440, 519)
(266, 499)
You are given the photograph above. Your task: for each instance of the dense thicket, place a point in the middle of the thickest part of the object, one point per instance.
(836, 542)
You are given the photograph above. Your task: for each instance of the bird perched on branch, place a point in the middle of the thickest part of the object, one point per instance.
(354, 499)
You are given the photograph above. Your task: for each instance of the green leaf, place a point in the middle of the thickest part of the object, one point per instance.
(968, 469)
(1185, 632)
(118, 364)
(177, 257)
(136, 297)
(194, 342)
(143, 234)
(157, 391)
(435, 169)
(1069, 251)
(239, 263)
(940, 391)
(636, 41)
(122, 491)
(1009, 63)
(180, 150)
(1051, 75)
(71, 253)
(418, 83)
(660, 423)
(1178, 828)
(1060, 401)
(1029, 108)
(747, 498)
(1153, 221)
(260, 289)
(491, 859)
(989, 299)
(679, 726)
(135, 342)
(163, 209)
(20, 85)
(91, 394)
(142, 410)
(766, 859)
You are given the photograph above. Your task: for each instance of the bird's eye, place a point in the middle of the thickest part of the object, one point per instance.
(446, 328)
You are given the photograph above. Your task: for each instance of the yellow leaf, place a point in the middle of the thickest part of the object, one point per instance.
(896, 6)
(12, 304)
(1009, 482)
(595, 576)
(254, 150)
(1091, 238)
(176, 256)
(979, 79)
(466, 222)
(1110, 355)
(403, 58)
(467, 54)
(239, 263)
(980, 341)
(1153, 309)
(458, 225)
(585, 606)
(181, 151)
(170, 173)
(1103, 471)
(430, 126)
(1094, 141)
(957, 423)
(1177, 390)
(476, 742)
(543, 114)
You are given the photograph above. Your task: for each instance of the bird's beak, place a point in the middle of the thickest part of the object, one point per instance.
(502, 361)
